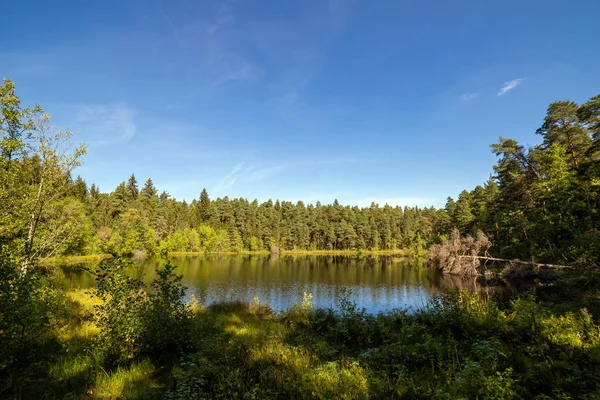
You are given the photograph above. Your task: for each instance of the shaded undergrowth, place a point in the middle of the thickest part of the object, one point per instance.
(459, 346)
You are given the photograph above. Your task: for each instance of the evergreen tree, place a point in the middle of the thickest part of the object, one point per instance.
(132, 188)
(562, 126)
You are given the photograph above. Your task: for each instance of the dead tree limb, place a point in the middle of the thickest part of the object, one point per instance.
(506, 260)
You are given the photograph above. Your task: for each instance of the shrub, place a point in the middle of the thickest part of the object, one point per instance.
(167, 318)
(25, 306)
(354, 326)
(120, 314)
(260, 310)
(136, 322)
(299, 313)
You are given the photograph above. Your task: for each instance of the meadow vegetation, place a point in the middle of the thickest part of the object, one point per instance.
(128, 340)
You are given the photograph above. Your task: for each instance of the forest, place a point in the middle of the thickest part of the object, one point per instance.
(540, 204)
(124, 340)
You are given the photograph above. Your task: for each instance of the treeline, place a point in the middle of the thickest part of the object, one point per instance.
(541, 203)
(131, 220)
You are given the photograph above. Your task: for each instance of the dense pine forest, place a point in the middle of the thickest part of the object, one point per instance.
(541, 203)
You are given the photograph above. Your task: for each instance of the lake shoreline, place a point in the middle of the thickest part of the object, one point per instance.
(82, 259)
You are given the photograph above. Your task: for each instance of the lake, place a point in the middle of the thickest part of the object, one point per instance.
(377, 284)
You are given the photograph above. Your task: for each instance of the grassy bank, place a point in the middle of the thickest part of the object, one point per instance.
(396, 252)
(458, 347)
(73, 260)
(70, 260)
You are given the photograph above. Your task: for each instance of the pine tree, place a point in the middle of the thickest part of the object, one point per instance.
(562, 126)
(132, 188)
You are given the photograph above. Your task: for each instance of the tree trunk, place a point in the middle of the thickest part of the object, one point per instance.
(33, 221)
(506, 260)
(570, 144)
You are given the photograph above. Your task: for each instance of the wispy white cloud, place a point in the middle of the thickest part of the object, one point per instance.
(174, 29)
(249, 174)
(510, 85)
(224, 18)
(214, 45)
(220, 47)
(469, 96)
(256, 175)
(300, 48)
(228, 180)
(105, 124)
(229, 67)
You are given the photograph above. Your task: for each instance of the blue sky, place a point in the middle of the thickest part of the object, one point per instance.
(386, 101)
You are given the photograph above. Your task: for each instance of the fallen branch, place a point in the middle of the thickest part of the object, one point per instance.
(506, 260)
(461, 255)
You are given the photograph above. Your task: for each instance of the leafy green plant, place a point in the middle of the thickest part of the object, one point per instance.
(299, 313)
(120, 314)
(168, 319)
(136, 322)
(260, 309)
(25, 312)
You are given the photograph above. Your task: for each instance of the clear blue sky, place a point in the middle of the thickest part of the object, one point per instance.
(392, 101)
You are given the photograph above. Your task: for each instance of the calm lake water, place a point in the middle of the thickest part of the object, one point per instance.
(378, 284)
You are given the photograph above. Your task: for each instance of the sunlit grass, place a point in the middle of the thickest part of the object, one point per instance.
(82, 333)
(342, 380)
(353, 252)
(84, 298)
(73, 260)
(132, 382)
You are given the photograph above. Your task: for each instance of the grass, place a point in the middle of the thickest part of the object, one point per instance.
(132, 382)
(460, 346)
(73, 260)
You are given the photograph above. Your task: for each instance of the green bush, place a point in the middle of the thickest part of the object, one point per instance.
(135, 322)
(168, 320)
(25, 306)
(299, 313)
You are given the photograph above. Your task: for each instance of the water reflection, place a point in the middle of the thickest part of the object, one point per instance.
(376, 283)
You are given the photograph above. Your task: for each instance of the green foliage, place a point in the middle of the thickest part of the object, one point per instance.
(546, 206)
(38, 213)
(25, 312)
(134, 322)
(168, 330)
(460, 346)
(299, 313)
(121, 312)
